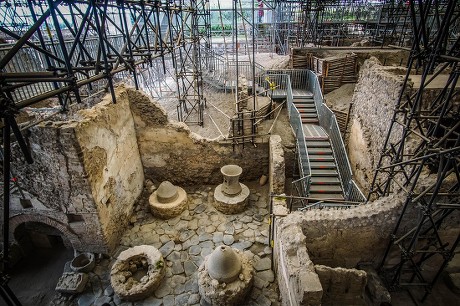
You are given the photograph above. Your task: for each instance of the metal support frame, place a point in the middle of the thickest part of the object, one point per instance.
(188, 60)
(69, 50)
(424, 136)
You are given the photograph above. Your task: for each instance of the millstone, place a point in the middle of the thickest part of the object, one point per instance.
(166, 192)
(224, 265)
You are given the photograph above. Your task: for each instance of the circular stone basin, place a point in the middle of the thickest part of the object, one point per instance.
(137, 272)
(84, 262)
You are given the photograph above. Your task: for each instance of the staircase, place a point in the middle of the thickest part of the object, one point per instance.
(306, 106)
(325, 180)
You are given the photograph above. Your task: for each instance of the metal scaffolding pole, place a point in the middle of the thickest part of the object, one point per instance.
(423, 145)
(188, 63)
(70, 49)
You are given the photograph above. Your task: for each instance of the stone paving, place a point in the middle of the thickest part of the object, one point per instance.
(184, 241)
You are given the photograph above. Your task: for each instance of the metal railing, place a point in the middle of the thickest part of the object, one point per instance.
(328, 122)
(299, 77)
(283, 82)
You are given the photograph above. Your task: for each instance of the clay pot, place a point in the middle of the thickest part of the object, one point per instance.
(84, 262)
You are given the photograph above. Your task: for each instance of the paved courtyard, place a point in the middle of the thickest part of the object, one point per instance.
(185, 240)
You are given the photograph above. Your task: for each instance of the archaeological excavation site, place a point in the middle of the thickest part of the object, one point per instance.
(230, 152)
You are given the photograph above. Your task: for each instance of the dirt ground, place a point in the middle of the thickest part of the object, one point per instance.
(340, 98)
(34, 278)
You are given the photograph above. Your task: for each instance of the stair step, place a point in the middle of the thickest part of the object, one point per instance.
(323, 172)
(318, 144)
(310, 120)
(325, 196)
(327, 180)
(325, 189)
(322, 165)
(322, 158)
(319, 151)
(303, 104)
(308, 115)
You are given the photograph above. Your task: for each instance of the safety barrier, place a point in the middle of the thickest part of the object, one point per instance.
(328, 122)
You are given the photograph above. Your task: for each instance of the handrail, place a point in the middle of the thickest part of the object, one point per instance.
(328, 122)
(284, 81)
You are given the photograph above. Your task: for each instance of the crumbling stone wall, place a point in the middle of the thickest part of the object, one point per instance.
(277, 174)
(86, 174)
(342, 286)
(58, 186)
(170, 151)
(297, 280)
(315, 250)
(375, 96)
(344, 237)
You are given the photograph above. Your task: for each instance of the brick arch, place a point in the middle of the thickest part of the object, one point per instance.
(17, 220)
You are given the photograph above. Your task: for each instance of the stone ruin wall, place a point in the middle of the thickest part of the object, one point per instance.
(86, 175)
(303, 282)
(374, 99)
(375, 95)
(112, 162)
(169, 151)
(277, 166)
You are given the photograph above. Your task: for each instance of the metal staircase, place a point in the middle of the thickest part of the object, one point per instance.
(325, 181)
(306, 106)
(325, 173)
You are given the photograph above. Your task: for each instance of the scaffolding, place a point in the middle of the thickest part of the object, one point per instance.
(420, 157)
(187, 61)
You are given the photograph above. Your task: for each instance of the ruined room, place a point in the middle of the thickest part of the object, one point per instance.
(229, 152)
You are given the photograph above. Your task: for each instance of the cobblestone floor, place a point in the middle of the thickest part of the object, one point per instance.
(184, 241)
